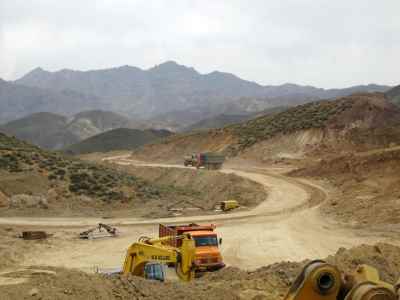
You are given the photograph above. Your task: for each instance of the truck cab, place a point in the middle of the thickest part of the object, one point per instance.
(208, 256)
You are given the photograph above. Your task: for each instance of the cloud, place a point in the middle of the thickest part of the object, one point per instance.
(323, 43)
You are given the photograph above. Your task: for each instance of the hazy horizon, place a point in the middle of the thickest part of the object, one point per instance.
(325, 44)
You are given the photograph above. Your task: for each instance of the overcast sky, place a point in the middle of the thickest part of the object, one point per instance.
(326, 43)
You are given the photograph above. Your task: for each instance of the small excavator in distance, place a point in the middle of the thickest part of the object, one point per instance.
(322, 281)
(153, 252)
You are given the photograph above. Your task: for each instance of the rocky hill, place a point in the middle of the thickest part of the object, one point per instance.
(117, 139)
(53, 131)
(170, 87)
(357, 122)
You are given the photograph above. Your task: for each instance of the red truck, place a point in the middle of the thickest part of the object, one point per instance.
(208, 256)
(208, 160)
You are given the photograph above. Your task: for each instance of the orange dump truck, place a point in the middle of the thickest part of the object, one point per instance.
(208, 256)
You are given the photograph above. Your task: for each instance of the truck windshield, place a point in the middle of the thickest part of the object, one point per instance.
(210, 240)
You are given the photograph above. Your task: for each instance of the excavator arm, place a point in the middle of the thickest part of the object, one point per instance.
(322, 281)
(145, 251)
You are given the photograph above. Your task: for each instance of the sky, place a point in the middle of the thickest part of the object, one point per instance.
(323, 43)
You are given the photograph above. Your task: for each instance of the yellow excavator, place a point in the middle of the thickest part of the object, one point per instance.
(146, 257)
(320, 280)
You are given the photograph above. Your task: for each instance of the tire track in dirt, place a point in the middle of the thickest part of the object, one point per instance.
(287, 226)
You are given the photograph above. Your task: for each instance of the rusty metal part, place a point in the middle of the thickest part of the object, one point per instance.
(34, 235)
(318, 280)
(367, 285)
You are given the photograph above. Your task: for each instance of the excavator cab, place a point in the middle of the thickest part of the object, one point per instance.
(154, 271)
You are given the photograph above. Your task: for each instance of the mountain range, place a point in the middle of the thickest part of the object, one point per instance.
(166, 89)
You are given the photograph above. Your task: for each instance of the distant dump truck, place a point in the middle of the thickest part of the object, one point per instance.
(208, 160)
(208, 257)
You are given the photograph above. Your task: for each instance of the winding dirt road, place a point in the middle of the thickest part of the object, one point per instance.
(283, 227)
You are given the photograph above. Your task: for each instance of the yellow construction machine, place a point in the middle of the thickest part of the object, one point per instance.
(322, 281)
(153, 252)
(318, 280)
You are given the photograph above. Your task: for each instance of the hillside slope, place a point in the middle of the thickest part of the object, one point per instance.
(38, 182)
(224, 120)
(35, 182)
(52, 131)
(360, 121)
(46, 130)
(394, 95)
(117, 139)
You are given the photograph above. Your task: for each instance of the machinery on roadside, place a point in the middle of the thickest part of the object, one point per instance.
(100, 231)
(207, 254)
(208, 160)
(322, 281)
(146, 258)
(228, 205)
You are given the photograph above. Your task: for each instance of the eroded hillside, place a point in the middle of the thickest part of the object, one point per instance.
(357, 122)
(369, 185)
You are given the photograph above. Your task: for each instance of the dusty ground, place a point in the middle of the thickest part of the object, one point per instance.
(269, 282)
(368, 185)
(205, 189)
(288, 226)
(171, 192)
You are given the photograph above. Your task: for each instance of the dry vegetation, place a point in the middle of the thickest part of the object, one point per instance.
(44, 183)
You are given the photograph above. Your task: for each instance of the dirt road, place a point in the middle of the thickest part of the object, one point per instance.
(283, 227)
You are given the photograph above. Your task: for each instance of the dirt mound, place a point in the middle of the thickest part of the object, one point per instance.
(369, 185)
(206, 189)
(270, 282)
(174, 148)
(4, 201)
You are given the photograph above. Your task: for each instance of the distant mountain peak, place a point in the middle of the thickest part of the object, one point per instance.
(37, 70)
(172, 66)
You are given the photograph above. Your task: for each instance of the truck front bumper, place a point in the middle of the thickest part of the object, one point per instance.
(209, 267)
